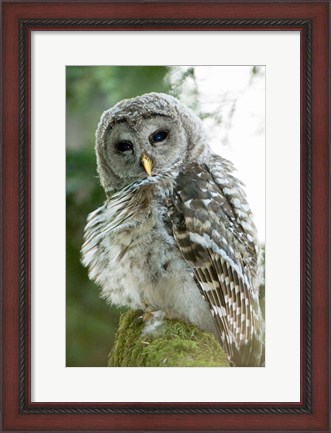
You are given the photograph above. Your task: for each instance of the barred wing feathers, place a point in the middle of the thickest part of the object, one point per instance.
(214, 231)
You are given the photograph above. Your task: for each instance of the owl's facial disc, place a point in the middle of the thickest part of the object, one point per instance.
(137, 148)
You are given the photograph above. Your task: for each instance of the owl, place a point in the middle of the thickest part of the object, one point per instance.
(175, 233)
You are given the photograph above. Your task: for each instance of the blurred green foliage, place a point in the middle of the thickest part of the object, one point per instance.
(90, 323)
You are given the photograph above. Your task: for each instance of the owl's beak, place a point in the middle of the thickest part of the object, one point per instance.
(147, 163)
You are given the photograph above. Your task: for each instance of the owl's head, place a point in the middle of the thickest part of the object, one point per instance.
(145, 136)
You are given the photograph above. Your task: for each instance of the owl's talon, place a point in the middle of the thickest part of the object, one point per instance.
(148, 315)
(153, 322)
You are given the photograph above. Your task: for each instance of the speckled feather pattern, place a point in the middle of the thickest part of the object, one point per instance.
(181, 241)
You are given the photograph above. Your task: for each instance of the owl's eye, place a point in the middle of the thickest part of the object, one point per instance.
(159, 135)
(124, 146)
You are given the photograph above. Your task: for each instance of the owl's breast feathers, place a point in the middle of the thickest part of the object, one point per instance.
(214, 231)
(126, 209)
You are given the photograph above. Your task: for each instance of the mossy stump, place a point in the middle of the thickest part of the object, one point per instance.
(177, 344)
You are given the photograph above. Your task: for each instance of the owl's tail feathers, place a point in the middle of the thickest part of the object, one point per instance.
(250, 354)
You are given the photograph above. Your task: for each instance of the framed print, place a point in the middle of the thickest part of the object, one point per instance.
(257, 76)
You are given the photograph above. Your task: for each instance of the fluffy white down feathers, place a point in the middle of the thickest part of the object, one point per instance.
(182, 239)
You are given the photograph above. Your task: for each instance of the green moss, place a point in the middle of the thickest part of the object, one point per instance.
(177, 345)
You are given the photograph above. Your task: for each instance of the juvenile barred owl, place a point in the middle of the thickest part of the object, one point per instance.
(175, 233)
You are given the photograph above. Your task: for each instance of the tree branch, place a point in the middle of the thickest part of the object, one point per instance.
(175, 344)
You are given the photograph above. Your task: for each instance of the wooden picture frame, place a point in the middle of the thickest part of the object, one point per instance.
(19, 20)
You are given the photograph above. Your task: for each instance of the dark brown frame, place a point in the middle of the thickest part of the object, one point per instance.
(19, 19)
